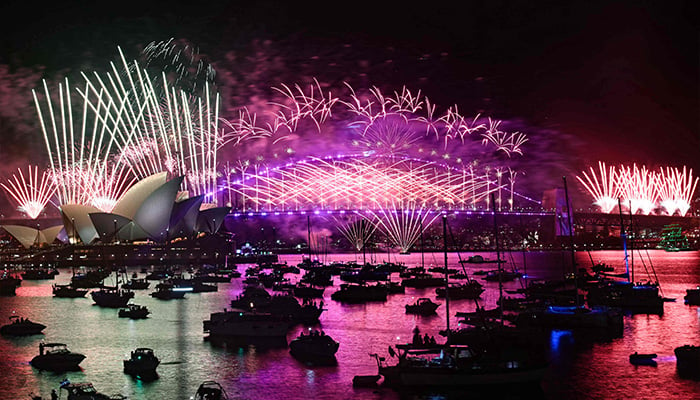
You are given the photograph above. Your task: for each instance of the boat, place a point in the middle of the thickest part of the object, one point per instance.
(673, 239)
(210, 390)
(56, 357)
(39, 273)
(315, 347)
(252, 297)
(360, 293)
(137, 284)
(246, 326)
(68, 291)
(305, 291)
(643, 359)
(502, 276)
(692, 296)
(688, 361)
(496, 361)
(8, 284)
(168, 291)
(134, 311)
(573, 317)
(112, 297)
(284, 306)
(86, 391)
(423, 281)
(477, 259)
(141, 363)
(470, 290)
(422, 306)
(628, 294)
(457, 366)
(366, 380)
(21, 327)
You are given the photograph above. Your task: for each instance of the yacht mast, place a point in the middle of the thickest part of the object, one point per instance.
(447, 293)
(571, 241)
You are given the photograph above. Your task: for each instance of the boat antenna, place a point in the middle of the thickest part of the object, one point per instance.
(447, 296)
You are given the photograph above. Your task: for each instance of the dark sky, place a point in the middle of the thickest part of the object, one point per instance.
(620, 76)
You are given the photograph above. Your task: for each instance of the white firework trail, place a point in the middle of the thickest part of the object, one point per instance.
(32, 192)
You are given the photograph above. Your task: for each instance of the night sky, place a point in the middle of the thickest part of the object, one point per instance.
(615, 81)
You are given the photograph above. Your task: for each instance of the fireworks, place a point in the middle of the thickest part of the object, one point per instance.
(639, 189)
(31, 193)
(357, 229)
(602, 187)
(359, 183)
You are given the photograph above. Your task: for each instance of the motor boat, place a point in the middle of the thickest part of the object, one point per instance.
(86, 391)
(471, 290)
(134, 311)
(246, 326)
(21, 327)
(142, 363)
(137, 284)
(210, 390)
(56, 357)
(643, 359)
(316, 346)
(688, 361)
(422, 306)
(168, 291)
(69, 291)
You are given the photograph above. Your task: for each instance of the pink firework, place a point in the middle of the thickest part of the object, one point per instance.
(32, 192)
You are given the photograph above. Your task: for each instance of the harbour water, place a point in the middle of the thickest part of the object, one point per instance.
(579, 369)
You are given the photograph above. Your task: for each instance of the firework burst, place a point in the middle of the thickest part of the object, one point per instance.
(32, 192)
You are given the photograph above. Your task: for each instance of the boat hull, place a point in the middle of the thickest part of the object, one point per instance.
(445, 377)
(62, 362)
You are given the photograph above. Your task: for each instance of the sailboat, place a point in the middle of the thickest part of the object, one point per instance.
(460, 365)
(112, 296)
(576, 315)
(631, 296)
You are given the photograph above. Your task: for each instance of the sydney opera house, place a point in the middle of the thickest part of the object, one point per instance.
(153, 220)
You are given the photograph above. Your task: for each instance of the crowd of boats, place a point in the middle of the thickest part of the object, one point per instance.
(501, 345)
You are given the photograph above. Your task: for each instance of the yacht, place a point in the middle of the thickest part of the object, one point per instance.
(168, 291)
(314, 347)
(137, 284)
(422, 306)
(86, 391)
(457, 366)
(56, 357)
(134, 311)
(358, 293)
(142, 362)
(470, 290)
(112, 297)
(246, 326)
(210, 390)
(68, 291)
(21, 327)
